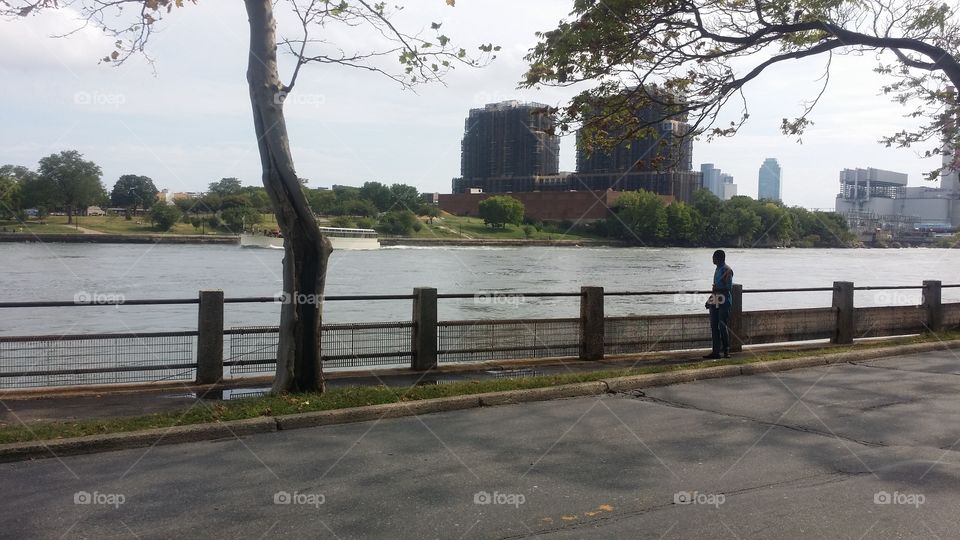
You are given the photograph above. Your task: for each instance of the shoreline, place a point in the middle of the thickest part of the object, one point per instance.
(107, 238)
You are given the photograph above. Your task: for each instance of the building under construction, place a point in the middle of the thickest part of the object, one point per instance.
(509, 148)
(508, 140)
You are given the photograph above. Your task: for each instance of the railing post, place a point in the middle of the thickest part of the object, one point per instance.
(424, 345)
(932, 300)
(210, 338)
(843, 306)
(736, 319)
(591, 323)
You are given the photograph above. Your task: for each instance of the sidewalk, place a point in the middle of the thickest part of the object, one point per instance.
(862, 450)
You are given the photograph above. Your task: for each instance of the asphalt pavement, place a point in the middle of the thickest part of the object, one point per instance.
(864, 450)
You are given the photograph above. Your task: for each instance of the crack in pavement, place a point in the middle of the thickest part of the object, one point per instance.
(901, 369)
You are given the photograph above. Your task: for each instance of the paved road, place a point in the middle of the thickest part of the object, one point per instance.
(812, 453)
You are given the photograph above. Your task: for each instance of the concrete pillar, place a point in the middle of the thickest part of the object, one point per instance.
(736, 319)
(933, 303)
(424, 346)
(843, 307)
(591, 323)
(210, 338)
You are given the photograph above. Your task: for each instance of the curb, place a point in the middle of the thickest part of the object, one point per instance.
(236, 428)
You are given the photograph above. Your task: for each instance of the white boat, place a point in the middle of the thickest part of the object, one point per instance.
(340, 238)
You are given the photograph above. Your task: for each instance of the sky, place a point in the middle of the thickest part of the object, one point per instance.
(185, 121)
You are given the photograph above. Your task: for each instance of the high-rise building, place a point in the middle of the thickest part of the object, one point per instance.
(717, 182)
(770, 180)
(509, 139)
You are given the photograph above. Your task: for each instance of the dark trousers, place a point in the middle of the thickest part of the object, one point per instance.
(719, 328)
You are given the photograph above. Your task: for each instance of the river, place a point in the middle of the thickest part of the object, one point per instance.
(51, 271)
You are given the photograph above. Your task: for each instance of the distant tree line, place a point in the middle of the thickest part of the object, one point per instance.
(65, 182)
(643, 217)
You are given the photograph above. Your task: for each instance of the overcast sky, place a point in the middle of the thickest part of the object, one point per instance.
(191, 124)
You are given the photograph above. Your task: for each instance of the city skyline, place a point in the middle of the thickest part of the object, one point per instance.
(190, 125)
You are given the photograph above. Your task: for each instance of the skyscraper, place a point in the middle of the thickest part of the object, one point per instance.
(770, 176)
(509, 139)
(717, 182)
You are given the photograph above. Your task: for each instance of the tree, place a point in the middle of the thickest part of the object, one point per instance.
(683, 223)
(239, 218)
(501, 210)
(13, 182)
(699, 54)
(422, 57)
(225, 186)
(132, 191)
(75, 181)
(378, 194)
(404, 196)
(164, 216)
(397, 222)
(643, 215)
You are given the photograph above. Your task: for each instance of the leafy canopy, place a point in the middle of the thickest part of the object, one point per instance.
(693, 56)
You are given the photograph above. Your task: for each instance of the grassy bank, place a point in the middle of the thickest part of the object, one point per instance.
(342, 398)
(449, 226)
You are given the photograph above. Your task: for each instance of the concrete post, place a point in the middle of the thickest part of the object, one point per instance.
(843, 306)
(591, 323)
(736, 319)
(424, 346)
(933, 302)
(210, 338)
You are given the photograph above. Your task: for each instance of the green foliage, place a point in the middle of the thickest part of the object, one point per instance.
(398, 222)
(240, 218)
(501, 210)
(132, 191)
(695, 57)
(643, 218)
(378, 194)
(164, 216)
(71, 181)
(225, 186)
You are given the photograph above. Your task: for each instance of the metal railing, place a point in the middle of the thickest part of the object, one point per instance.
(214, 353)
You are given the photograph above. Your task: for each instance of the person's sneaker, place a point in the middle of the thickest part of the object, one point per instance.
(726, 355)
(711, 356)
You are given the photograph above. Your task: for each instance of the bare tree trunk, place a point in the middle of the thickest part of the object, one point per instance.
(69, 209)
(305, 250)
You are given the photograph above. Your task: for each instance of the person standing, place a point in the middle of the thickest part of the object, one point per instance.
(719, 304)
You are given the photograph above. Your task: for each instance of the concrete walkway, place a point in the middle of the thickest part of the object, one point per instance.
(842, 451)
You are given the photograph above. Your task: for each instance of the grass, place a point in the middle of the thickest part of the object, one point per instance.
(35, 227)
(450, 226)
(342, 398)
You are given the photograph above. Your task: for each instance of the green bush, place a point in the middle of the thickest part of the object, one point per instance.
(164, 216)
